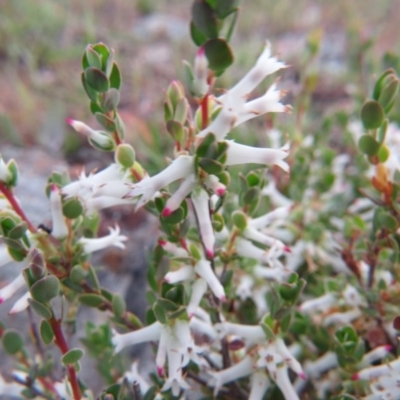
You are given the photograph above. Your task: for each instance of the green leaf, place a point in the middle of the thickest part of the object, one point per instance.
(46, 332)
(12, 341)
(72, 208)
(175, 129)
(95, 108)
(239, 219)
(384, 220)
(383, 154)
(104, 52)
(91, 299)
(204, 19)
(72, 356)
(40, 309)
(92, 94)
(18, 231)
(204, 146)
(197, 35)
(160, 313)
(219, 54)
(106, 122)
(78, 274)
(368, 145)
(96, 79)
(125, 155)
(211, 166)
(225, 7)
(92, 58)
(175, 218)
(115, 77)
(380, 82)
(253, 194)
(45, 289)
(372, 114)
(110, 99)
(118, 306)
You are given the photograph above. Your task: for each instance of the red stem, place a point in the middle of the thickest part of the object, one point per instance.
(63, 346)
(204, 111)
(12, 200)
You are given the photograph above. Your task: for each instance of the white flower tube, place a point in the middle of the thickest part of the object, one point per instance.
(60, 228)
(113, 239)
(185, 273)
(21, 304)
(199, 287)
(259, 385)
(94, 204)
(237, 371)
(7, 291)
(288, 357)
(279, 213)
(321, 303)
(179, 196)
(147, 334)
(245, 248)
(283, 382)
(200, 201)
(213, 183)
(252, 333)
(242, 154)
(379, 370)
(204, 270)
(102, 138)
(180, 168)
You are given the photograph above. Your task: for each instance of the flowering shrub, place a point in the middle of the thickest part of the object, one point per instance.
(280, 281)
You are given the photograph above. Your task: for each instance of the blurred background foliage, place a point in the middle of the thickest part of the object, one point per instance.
(333, 49)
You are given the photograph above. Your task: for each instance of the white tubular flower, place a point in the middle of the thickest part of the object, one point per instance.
(113, 239)
(277, 198)
(200, 201)
(375, 372)
(237, 371)
(315, 369)
(173, 248)
(179, 196)
(342, 318)
(280, 213)
(21, 304)
(253, 334)
(99, 137)
(259, 385)
(146, 334)
(60, 228)
(321, 303)
(203, 327)
(7, 291)
(200, 72)
(245, 287)
(134, 376)
(245, 248)
(147, 188)
(242, 154)
(288, 358)
(283, 382)
(185, 273)
(99, 203)
(235, 110)
(276, 274)
(204, 270)
(253, 234)
(199, 287)
(213, 183)
(5, 257)
(117, 189)
(10, 389)
(374, 355)
(265, 65)
(175, 380)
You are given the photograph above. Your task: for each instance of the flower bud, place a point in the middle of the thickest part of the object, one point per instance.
(200, 86)
(36, 263)
(125, 155)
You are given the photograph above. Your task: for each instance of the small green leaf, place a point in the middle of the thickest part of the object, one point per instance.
(18, 231)
(46, 332)
(225, 7)
(78, 274)
(197, 35)
(118, 305)
(92, 57)
(106, 122)
(253, 194)
(104, 52)
(168, 305)
(219, 54)
(40, 309)
(92, 94)
(175, 218)
(368, 145)
(12, 341)
(211, 166)
(384, 220)
(96, 79)
(72, 208)
(72, 356)
(45, 289)
(110, 99)
(160, 313)
(115, 77)
(372, 114)
(204, 19)
(125, 155)
(383, 154)
(175, 129)
(239, 219)
(91, 299)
